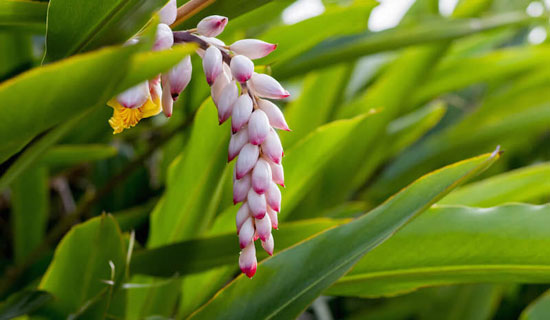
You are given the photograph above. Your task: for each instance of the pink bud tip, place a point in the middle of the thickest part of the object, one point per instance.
(250, 272)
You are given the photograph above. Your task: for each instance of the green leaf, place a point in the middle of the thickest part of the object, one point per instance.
(351, 47)
(513, 186)
(230, 9)
(500, 244)
(308, 157)
(299, 274)
(37, 149)
(23, 15)
(319, 90)
(79, 25)
(498, 64)
(45, 96)
(15, 53)
(539, 309)
(23, 302)
(296, 38)
(81, 264)
(29, 218)
(193, 186)
(215, 251)
(68, 155)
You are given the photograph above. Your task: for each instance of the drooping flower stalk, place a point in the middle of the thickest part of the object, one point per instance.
(239, 93)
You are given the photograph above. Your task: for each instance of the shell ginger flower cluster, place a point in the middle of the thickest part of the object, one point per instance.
(239, 93)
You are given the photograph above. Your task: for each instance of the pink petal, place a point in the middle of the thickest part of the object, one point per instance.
(274, 114)
(272, 147)
(212, 64)
(242, 68)
(258, 127)
(179, 77)
(247, 260)
(241, 112)
(247, 160)
(261, 176)
(252, 48)
(263, 227)
(269, 245)
(257, 204)
(267, 87)
(273, 196)
(211, 26)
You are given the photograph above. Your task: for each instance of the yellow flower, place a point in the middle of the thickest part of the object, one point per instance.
(124, 118)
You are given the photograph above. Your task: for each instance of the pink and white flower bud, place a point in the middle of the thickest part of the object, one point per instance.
(212, 63)
(273, 197)
(211, 26)
(242, 214)
(272, 147)
(167, 101)
(246, 232)
(247, 160)
(277, 173)
(261, 176)
(269, 245)
(227, 99)
(258, 127)
(179, 77)
(263, 227)
(274, 114)
(155, 89)
(247, 260)
(242, 68)
(253, 48)
(242, 109)
(221, 81)
(164, 39)
(236, 143)
(273, 217)
(169, 12)
(256, 203)
(134, 97)
(241, 188)
(267, 87)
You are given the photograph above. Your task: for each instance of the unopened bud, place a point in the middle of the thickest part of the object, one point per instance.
(212, 64)
(246, 160)
(247, 260)
(164, 39)
(242, 68)
(256, 203)
(267, 87)
(261, 177)
(274, 114)
(263, 227)
(179, 77)
(226, 101)
(169, 12)
(258, 127)
(211, 26)
(253, 48)
(272, 147)
(241, 112)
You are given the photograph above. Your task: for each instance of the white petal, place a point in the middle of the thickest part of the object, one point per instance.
(272, 147)
(164, 39)
(212, 64)
(241, 188)
(246, 232)
(263, 227)
(221, 81)
(134, 97)
(169, 12)
(269, 245)
(252, 48)
(179, 77)
(274, 114)
(242, 215)
(242, 68)
(277, 173)
(273, 217)
(246, 160)
(241, 112)
(247, 260)
(237, 142)
(261, 176)
(211, 26)
(226, 101)
(257, 204)
(267, 87)
(273, 196)
(258, 127)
